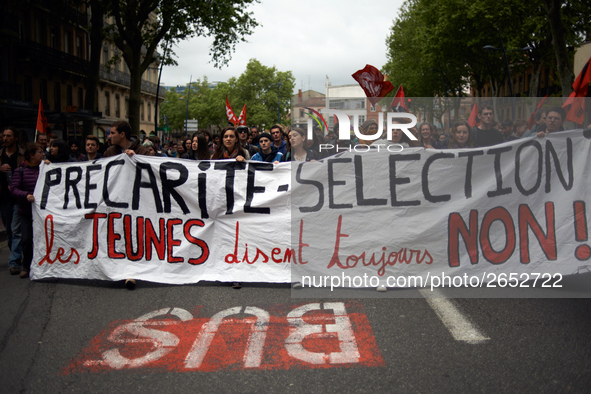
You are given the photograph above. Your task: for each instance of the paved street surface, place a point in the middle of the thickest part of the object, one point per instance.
(90, 336)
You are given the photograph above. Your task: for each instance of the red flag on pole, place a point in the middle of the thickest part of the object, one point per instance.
(242, 117)
(399, 101)
(230, 114)
(41, 120)
(473, 119)
(575, 104)
(532, 119)
(372, 82)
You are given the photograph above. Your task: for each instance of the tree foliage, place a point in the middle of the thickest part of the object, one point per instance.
(436, 46)
(140, 26)
(259, 87)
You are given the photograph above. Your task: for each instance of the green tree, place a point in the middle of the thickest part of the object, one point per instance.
(263, 89)
(259, 87)
(437, 45)
(139, 26)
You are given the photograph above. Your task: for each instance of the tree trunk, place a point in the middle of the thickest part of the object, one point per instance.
(133, 60)
(534, 85)
(565, 69)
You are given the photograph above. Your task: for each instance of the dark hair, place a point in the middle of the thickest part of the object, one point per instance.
(156, 140)
(93, 138)
(123, 127)
(202, 152)
(31, 148)
(431, 128)
(15, 132)
(300, 132)
(221, 148)
(63, 152)
(484, 106)
(559, 110)
(452, 140)
(206, 134)
(277, 126)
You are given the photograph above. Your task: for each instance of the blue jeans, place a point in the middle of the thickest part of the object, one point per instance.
(16, 250)
(7, 211)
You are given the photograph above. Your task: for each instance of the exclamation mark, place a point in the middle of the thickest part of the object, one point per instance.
(582, 252)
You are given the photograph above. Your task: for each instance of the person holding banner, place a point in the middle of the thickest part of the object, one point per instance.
(298, 152)
(121, 141)
(230, 147)
(554, 119)
(427, 134)
(22, 188)
(461, 137)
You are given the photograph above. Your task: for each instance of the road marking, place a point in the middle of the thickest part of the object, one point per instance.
(284, 336)
(460, 327)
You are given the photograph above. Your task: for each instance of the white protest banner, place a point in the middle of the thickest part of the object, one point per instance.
(163, 220)
(518, 207)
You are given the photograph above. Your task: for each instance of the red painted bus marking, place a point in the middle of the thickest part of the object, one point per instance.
(314, 335)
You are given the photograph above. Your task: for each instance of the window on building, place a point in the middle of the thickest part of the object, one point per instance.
(361, 119)
(57, 97)
(69, 95)
(80, 98)
(127, 107)
(142, 110)
(107, 104)
(67, 42)
(79, 47)
(43, 91)
(149, 112)
(21, 30)
(40, 34)
(106, 54)
(117, 106)
(53, 38)
(301, 113)
(28, 89)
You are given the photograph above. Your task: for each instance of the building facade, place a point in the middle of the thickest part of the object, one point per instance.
(45, 56)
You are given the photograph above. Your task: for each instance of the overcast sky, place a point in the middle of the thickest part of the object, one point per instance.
(312, 39)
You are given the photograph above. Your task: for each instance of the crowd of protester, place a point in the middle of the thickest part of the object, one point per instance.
(19, 161)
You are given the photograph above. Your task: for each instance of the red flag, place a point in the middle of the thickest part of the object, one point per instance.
(399, 101)
(242, 117)
(230, 114)
(575, 103)
(472, 120)
(42, 124)
(372, 82)
(532, 118)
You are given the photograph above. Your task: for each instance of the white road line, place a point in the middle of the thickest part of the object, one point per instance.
(458, 325)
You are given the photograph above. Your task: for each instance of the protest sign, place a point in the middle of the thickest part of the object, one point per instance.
(515, 208)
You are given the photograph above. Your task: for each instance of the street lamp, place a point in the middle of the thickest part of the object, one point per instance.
(187, 112)
(158, 91)
(502, 48)
(279, 84)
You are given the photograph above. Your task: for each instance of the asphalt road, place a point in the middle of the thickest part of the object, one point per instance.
(55, 337)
